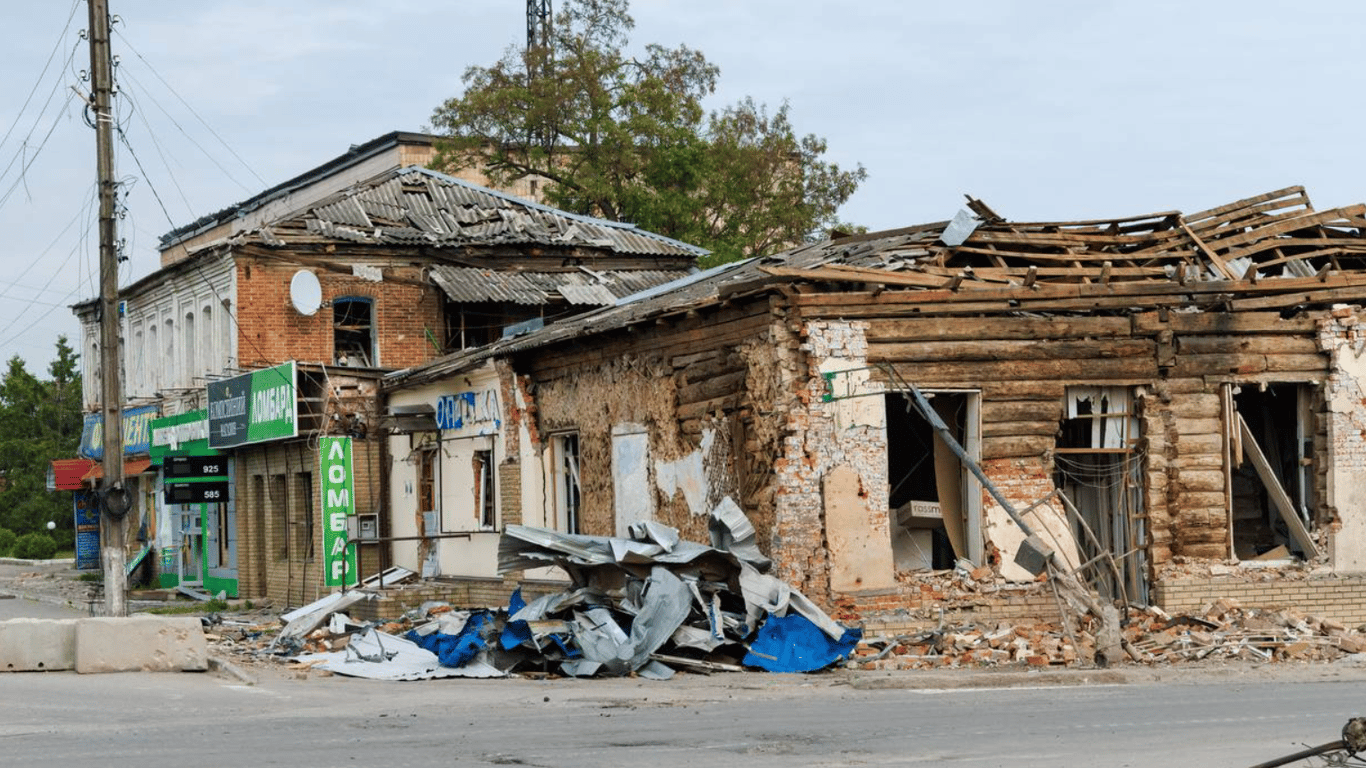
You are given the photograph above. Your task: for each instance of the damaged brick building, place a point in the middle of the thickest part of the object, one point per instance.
(1173, 401)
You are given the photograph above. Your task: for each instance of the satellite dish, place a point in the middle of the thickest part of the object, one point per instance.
(305, 292)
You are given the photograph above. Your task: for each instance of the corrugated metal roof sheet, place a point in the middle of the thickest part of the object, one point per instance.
(417, 205)
(470, 284)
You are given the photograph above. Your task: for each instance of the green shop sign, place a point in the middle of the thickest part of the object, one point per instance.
(185, 433)
(254, 407)
(339, 504)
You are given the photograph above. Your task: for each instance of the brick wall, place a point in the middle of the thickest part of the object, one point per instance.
(269, 332)
(914, 608)
(279, 553)
(1340, 598)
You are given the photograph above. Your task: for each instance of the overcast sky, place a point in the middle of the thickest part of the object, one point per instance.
(1051, 110)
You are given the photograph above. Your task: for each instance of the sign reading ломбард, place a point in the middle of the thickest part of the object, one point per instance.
(254, 407)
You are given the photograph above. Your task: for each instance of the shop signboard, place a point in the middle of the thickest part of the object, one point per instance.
(254, 407)
(137, 433)
(338, 504)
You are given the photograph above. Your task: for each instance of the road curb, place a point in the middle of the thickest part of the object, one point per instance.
(959, 679)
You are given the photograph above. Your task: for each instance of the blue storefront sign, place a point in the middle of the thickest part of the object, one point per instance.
(87, 513)
(137, 432)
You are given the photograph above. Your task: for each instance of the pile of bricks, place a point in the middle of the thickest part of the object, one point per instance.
(1221, 630)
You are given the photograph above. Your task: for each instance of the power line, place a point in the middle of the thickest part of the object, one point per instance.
(197, 116)
(56, 47)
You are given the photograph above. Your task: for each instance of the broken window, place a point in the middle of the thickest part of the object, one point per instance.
(482, 466)
(353, 340)
(1271, 489)
(474, 324)
(935, 504)
(564, 470)
(1100, 473)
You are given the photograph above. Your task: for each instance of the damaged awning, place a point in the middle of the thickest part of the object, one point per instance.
(74, 474)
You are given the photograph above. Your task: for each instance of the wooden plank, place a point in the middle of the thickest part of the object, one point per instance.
(1285, 300)
(1016, 447)
(1213, 258)
(1289, 224)
(1020, 410)
(989, 328)
(1277, 493)
(1248, 344)
(1234, 364)
(965, 351)
(1186, 323)
(1047, 429)
(1074, 371)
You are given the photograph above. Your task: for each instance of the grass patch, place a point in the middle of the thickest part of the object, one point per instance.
(212, 606)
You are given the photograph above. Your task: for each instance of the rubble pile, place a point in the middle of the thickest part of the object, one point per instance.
(643, 606)
(1221, 630)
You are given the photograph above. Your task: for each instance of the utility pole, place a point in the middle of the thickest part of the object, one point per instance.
(113, 497)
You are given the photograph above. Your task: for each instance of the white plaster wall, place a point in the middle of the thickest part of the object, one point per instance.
(147, 369)
(1343, 336)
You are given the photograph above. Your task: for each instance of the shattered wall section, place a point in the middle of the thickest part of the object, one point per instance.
(1343, 336)
(1024, 481)
(831, 526)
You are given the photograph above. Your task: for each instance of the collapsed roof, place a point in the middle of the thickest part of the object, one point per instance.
(1269, 252)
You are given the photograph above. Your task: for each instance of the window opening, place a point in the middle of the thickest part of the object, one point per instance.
(1100, 472)
(565, 470)
(483, 489)
(1272, 486)
(934, 503)
(353, 340)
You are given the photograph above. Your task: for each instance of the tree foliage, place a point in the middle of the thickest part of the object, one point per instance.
(627, 138)
(40, 420)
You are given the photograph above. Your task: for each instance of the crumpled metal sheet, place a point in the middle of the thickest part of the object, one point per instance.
(376, 655)
(633, 597)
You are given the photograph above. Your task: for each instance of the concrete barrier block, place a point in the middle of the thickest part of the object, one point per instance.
(141, 644)
(37, 645)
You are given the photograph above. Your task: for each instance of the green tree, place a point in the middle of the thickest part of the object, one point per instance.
(627, 138)
(39, 421)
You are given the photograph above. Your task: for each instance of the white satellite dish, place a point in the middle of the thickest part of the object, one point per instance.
(305, 292)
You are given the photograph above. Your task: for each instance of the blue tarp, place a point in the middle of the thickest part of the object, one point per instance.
(516, 632)
(456, 650)
(792, 643)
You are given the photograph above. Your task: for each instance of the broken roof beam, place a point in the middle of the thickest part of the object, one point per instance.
(1220, 266)
(1247, 207)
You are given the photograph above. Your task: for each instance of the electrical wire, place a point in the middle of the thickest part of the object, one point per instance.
(197, 116)
(18, 116)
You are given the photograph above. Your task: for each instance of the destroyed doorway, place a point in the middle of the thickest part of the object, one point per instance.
(934, 501)
(1271, 489)
(1099, 471)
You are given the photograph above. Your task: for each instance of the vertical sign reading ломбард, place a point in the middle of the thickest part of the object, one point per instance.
(339, 503)
(254, 407)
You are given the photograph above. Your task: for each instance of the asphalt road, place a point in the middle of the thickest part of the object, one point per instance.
(750, 719)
